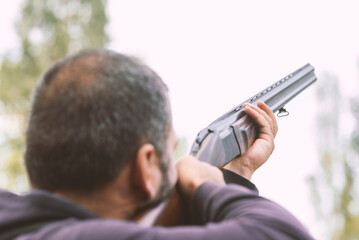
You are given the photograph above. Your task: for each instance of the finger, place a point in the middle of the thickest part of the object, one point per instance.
(270, 113)
(267, 109)
(265, 128)
(259, 110)
(258, 118)
(265, 115)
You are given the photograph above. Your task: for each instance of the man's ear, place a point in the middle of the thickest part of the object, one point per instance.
(147, 173)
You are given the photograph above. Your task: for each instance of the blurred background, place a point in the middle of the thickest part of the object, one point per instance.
(213, 55)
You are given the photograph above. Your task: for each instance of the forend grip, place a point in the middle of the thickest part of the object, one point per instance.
(233, 133)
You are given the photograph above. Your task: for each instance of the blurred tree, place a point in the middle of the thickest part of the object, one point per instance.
(334, 187)
(48, 30)
(181, 148)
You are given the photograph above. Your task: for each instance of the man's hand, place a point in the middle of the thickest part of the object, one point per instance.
(262, 148)
(192, 173)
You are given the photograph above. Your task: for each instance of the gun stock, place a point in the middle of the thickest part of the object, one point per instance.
(233, 133)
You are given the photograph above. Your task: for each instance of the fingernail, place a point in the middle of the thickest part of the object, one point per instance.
(247, 104)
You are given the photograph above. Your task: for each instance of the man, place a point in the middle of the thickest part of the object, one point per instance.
(99, 146)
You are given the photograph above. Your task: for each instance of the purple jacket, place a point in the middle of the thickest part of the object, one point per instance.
(234, 211)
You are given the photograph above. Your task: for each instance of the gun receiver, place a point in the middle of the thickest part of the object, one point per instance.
(233, 133)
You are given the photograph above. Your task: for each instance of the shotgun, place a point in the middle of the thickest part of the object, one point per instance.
(233, 133)
(230, 136)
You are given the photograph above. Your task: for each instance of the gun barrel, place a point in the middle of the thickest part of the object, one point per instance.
(233, 133)
(287, 88)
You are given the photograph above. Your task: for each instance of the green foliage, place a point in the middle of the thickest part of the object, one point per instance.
(181, 148)
(335, 186)
(47, 30)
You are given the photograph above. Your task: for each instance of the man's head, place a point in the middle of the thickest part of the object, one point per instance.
(92, 113)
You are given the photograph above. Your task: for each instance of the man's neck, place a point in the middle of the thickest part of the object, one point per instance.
(104, 203)
(115, 200)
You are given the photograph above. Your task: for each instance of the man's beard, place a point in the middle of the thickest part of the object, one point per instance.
(165, 191)
(166, 187)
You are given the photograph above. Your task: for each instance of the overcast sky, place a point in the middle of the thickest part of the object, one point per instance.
(215, 54)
